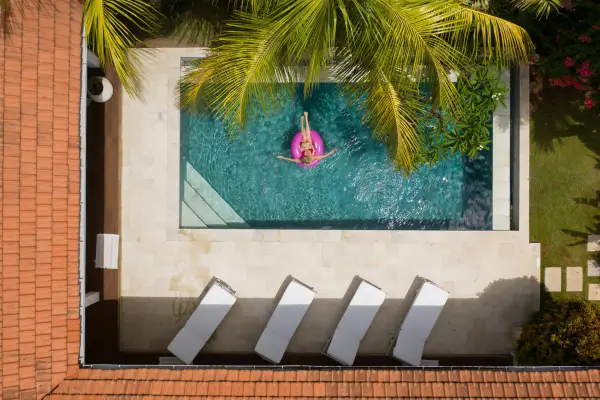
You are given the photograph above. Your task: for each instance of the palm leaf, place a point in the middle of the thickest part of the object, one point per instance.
(392, 114)
(238, 72)
(385, 52)
(109, 35)
(409, 54)
(541, 8)
(491, 37)
(254, 6)
(257, 52)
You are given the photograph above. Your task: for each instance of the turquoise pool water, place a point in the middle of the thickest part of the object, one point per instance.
(357, 188)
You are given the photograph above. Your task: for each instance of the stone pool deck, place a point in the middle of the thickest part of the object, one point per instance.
(493, 277)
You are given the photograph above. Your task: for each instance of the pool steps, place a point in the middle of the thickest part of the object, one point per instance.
(204, 204)
(189, 217)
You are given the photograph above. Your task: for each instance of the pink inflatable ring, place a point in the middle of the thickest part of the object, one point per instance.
(317, 144)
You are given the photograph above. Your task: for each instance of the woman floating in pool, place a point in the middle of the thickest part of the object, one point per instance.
(307, 146)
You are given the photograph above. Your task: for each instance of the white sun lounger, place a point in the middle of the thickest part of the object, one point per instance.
(203, 322)
(284, 321)
(418, 323)
(350, 331)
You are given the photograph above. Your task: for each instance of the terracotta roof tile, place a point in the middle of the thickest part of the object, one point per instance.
(593, 390)
(581, 390)
(402, 389)
(462, 389)
(35, 168)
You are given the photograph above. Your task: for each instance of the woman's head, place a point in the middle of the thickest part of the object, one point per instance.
(306, 159)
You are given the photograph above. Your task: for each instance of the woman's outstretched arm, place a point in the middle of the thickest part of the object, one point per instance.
(325, 155)
(288, 159)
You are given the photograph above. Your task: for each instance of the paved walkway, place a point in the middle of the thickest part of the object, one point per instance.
(575, 275)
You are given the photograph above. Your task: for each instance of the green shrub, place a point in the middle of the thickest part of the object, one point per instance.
(565, 332)
(441, 137)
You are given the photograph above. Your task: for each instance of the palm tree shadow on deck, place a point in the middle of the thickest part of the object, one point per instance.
(484, 323)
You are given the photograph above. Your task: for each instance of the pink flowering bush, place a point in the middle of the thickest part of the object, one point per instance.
(569, 47)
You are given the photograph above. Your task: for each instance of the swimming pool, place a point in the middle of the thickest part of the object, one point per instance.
(239, 182)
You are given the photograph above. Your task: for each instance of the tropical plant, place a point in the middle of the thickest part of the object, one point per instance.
(386, 51)
(569, 47)
(480, 93)
(109, 27)
(540, 8)
(441, 137)
(565, 332)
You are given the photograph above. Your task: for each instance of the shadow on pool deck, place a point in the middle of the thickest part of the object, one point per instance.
(468, 329)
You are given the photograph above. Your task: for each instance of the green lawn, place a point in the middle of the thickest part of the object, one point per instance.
(564, 180)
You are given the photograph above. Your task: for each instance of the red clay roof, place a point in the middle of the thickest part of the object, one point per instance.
(40, 67)
(39, 243)
(328, 384)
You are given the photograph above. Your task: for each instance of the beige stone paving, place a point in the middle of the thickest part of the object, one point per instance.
(493, 277)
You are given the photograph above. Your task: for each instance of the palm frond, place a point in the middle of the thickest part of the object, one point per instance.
(254, 6)
(413, 45)
(541, 8)
(313, 19)
(480, 5)
(392, 113)
(494, 38)
(256, 52)
(393, 55)
(109, 35)
(239, 71)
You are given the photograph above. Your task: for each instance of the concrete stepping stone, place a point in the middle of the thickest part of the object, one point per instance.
(593, 268)
(593, 243)
(594, 292)
(552, 279)
(574, 279)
